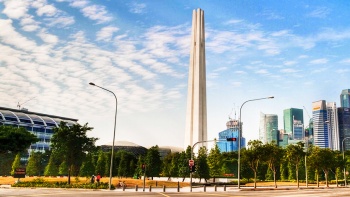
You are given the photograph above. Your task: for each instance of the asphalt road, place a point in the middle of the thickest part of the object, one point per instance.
(285, 192)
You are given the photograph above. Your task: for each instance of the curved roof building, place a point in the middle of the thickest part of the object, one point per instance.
(38, 124)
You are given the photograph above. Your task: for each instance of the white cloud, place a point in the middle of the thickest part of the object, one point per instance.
(321, 12)
(289, 63)
(60, 21)
(137, 8)
(47, 10)
(48, 38)
(29, 24)
(16, 9)
(319, 61)
(262, 71)
(288, 70)
(345, 61)
(97, 13)
(106, 33)
(237, 84)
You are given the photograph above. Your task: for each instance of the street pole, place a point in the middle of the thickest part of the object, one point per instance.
(192, 148)
(240, 136)
(115, 122)
(342, 145)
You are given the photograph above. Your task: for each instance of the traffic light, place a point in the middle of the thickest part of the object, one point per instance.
(231, 139)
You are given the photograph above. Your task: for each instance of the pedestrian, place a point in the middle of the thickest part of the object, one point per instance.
(98, 177)
(92, 179)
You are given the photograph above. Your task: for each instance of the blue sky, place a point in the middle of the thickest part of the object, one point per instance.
(296, 51)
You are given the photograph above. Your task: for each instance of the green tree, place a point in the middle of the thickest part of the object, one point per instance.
(253, 156)
(294, 154)
(87, 169)
(184, 170)
(272, 156)
(15, 139)
(215, 162)
(201, 164)
(6, 160)
(174, 170)
(166, 167)
(324, 159)
(101, 164)
(63, 169)
(16, 163)
(71, 143)
(51, 169)
(153, 162)
(34, 163)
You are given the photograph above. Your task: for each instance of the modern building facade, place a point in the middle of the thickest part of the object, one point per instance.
(345, 98)
(232, 131)
(196, 114)
(268, 128)
(344, 128)
(38, 124)
(319, 116)
(333, 126)
(289, 117)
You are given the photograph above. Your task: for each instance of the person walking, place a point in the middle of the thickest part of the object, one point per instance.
(98, 177)
(92, 179)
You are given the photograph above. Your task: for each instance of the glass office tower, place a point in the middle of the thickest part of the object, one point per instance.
(345, 98)
(319, 116)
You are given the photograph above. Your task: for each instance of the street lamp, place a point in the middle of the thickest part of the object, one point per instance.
(240, 136)
(115, 121)
(342, 145)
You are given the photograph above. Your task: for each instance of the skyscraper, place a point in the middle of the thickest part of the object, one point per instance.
(231, 132)
(344, 127)
(319, 116)
(333, 127)
(268, 131)
(196, 114)
(293, 118)
(345, 98)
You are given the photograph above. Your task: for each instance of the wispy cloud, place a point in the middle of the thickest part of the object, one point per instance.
(106, 33)
(319, 61)
(320, 12)
(137, 8)
(97, 13)
(16, 9)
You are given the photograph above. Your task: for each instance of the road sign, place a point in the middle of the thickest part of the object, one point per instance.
(20, 173)
(191, 162)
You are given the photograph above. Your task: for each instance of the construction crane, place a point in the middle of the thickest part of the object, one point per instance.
(307, 113)
(20, 104)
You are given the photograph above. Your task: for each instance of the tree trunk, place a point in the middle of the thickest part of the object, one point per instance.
(274, 178)
(336, 178)
(255, 179)
(69, 171)
(318, 183)
(297, 174)
(326, 175)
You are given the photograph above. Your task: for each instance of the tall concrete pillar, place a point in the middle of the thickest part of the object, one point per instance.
(196, 114)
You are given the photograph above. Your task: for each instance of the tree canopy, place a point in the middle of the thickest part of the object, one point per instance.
(15, 139)
(72, 143)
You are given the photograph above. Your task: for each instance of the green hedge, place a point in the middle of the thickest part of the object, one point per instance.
(39, 182)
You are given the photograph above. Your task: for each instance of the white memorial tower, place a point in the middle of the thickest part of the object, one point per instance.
(196, 114)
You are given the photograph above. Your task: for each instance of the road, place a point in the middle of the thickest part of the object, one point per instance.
(285, 192)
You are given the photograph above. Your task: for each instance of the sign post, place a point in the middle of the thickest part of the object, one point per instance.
(19, 173)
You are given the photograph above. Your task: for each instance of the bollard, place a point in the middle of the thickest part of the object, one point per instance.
(205, 188)
(156, 183)
(150, 188)
(178, 186)
(163, 188)
(224, 188)
(136, 188)
(123, 187)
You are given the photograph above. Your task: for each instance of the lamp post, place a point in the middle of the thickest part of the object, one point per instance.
(115, 121)
(240, 136)
(342, 145)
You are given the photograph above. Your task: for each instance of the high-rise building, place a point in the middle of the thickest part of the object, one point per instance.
(345, 98)
(289, 116)
(196, 114)
(344, 127)
(268, 128)
(231, 132)
(333, 127)
(38, 124)
(298, 130)
(319, 116)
